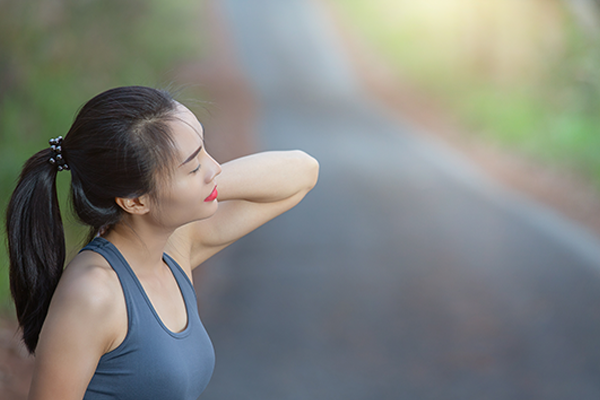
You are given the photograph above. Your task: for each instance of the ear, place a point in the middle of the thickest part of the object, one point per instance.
(136, 205)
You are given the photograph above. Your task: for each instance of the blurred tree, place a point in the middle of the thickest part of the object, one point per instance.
(587, 13)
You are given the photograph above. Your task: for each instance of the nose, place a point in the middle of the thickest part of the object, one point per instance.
(214, 169)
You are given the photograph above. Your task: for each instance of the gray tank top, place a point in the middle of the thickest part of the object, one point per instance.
(152, 362)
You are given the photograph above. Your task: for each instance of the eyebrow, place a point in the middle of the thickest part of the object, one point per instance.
(192, 156)
(195, 153)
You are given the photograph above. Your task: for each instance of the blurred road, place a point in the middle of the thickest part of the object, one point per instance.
(405, 274)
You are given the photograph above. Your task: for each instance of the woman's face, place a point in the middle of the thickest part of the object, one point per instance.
(190, 192)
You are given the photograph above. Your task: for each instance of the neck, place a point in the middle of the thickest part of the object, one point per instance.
(142, 246)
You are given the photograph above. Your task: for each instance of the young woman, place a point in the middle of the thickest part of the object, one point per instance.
(120, 320)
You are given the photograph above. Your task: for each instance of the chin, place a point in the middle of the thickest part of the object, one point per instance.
(208, 212)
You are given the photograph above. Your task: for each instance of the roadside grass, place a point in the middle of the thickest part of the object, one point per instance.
(54, 56)
(523, 75)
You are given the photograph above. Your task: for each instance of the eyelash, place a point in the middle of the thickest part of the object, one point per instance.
(196, 170)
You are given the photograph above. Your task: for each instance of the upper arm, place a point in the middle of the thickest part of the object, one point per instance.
(233, 220)
(256, 189)
(80, 327)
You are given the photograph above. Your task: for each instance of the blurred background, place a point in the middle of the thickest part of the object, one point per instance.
(520, 77)
(512, 85)
(524, 74)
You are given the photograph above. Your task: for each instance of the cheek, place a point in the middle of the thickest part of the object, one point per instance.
(183, 202)
(182, 195)
(171, 201)
(184, 198)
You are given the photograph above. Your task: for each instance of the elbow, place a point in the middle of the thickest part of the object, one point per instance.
(314, 172)
(310, 168)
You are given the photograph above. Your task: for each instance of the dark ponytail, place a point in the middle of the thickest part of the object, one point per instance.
(36, 244)
(117, 146)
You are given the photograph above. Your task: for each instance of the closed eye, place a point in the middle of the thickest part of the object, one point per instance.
(196, 170)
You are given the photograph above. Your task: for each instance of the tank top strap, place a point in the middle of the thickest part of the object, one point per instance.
(132, 288)
(183, 280)
(118, 263)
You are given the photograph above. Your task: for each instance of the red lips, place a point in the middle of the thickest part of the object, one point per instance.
(212, 196)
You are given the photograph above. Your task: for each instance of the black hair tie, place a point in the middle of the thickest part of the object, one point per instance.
(57, 157)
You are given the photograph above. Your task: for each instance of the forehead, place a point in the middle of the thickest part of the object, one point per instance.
(187, 131)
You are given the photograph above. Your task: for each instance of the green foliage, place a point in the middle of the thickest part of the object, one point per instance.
(525, 75)
(55, 55)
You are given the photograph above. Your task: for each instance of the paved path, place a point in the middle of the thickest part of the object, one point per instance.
(405, 274)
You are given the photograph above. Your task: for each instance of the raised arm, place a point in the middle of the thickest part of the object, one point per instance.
(252, 190)
(268, 177)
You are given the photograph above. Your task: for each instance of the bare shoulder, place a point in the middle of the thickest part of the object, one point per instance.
(89, 280)
(88, 299)
(87, 318)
